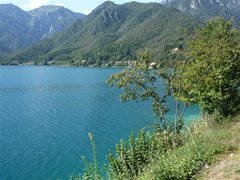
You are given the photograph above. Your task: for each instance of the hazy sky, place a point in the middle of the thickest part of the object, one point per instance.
(83, 6)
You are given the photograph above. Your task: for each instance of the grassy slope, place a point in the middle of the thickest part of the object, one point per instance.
(227, 167)
(202, 148)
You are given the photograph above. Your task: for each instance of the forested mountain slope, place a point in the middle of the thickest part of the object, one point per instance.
(114, 32)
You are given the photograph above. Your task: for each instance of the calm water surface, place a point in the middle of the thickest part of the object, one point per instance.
(47, 112)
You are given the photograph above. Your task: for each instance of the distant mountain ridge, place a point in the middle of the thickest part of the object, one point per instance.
(19, 28)
(112, 33)
(205, 9)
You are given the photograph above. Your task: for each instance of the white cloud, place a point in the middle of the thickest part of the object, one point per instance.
(35, 4)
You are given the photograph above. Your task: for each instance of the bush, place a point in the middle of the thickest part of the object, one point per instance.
(132, 156)
(186, 161)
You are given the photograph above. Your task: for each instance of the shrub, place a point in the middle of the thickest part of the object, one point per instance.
(132, 156)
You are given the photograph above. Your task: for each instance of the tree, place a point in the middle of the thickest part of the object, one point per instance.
(140, 83)
(211, 75)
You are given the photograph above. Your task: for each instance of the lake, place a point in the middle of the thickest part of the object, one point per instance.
(46, 114)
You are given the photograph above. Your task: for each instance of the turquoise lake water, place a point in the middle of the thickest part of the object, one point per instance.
(46, 114)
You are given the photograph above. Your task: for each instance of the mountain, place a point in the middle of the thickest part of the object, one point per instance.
(112, 33)
(205, 9)
(51, 19)
(19, 29)
(14, 31)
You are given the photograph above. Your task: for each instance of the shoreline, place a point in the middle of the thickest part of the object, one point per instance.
(64, 66)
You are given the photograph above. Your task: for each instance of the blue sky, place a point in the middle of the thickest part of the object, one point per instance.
(83, 6)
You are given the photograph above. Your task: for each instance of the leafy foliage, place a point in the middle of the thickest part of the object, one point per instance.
(140, 83)
(186, 161)
(211, 77)
(149, 81)
(131, 158)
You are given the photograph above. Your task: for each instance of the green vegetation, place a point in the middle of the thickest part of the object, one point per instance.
(178, 153)
(203, 143)
(140, 82)
(143, 81)
(167, 155)
(211, 76)
(113, 33)
(131, 157)
(92, 170)
(228, 167)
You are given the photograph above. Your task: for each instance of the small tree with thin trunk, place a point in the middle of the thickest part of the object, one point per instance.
(141, 82)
